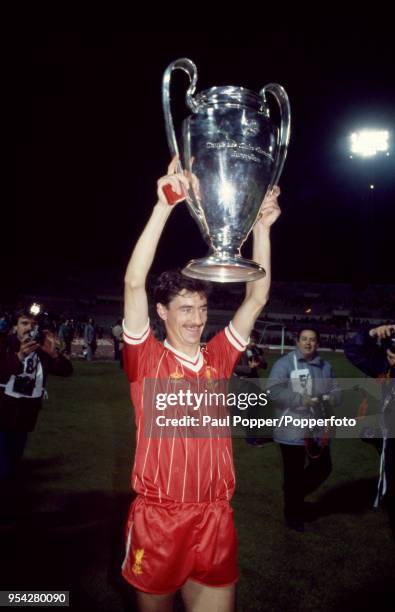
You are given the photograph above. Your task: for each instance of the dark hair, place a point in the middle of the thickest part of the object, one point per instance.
(171, 283)
(22, 313)
(307, 328)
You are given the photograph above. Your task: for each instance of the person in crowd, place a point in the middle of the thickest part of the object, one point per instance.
(372, 350)
(302, 383)
(27, 356)
(90, 342)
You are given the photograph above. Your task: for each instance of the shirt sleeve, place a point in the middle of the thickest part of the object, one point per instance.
(58, 366)
(226, 348)
(9, 361)
(141, 352)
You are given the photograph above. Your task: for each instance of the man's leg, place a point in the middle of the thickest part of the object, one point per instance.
(148, 602)
(293, 465)
(201, 598)
(12, 445)
(318, 469)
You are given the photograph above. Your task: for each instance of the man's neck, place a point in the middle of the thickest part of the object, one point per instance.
(188, 349)
(308, 357)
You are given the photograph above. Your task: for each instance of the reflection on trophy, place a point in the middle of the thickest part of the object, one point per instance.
(233, 154)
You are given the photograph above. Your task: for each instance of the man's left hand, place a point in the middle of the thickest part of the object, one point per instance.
(382, 331)
(49, 345)
(270, 210)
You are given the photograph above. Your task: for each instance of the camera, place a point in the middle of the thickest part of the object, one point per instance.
(322, 409)
(24, 385)
(37, 334)
(42, 323)
(389, 343)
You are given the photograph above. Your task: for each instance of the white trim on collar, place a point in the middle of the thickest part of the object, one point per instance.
(192, 363)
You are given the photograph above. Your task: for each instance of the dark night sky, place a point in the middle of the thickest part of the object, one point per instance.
(87, 143)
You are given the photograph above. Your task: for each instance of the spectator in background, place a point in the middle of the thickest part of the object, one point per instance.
(117, 336)
(90, 340)
(255, 360)
(301, 384)
(373, 352)
(66, 334)
(255, 356)
(4, 323)
(26, 359)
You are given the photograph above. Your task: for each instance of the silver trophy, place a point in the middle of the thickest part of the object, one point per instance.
(233, 154)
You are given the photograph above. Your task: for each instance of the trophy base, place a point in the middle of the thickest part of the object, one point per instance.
(229, 270)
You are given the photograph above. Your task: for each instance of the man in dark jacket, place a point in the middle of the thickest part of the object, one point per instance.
(25, 362)
(373, 352)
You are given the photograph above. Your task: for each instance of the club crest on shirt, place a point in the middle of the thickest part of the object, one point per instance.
(210, 373)
(211, 376)
(177, 375)
(138, 559)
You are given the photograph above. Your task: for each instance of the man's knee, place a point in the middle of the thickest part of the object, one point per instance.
(199, 597)
(150, 602)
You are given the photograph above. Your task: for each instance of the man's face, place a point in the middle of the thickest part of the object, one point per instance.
(307, 344)
(24, 326)
(391, 358)
(184, 318)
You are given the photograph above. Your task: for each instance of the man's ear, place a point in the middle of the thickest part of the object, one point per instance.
(162, 311)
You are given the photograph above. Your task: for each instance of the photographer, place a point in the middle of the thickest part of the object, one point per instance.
(27, 355)
(373, 352)
(301, 384)
(255, 356)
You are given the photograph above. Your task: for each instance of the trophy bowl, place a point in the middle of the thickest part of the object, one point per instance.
(233, 154)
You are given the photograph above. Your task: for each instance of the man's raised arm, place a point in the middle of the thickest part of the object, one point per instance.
(136, 302)
(257, 292)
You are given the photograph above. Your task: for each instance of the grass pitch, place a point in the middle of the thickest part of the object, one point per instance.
(73, 493)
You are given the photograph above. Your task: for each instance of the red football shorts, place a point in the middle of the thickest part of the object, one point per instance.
(169, 543)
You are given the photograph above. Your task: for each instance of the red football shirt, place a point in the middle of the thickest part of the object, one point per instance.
(175, 467)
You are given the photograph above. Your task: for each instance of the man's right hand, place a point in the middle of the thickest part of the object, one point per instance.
(382, 332)
(174, 183)
(28, 346)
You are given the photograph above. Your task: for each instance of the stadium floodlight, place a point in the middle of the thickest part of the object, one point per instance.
(367, 143)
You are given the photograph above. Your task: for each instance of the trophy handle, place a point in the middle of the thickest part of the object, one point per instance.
(189, 67)
(285, 114)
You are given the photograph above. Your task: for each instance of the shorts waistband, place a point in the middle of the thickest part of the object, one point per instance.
(153, 501)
